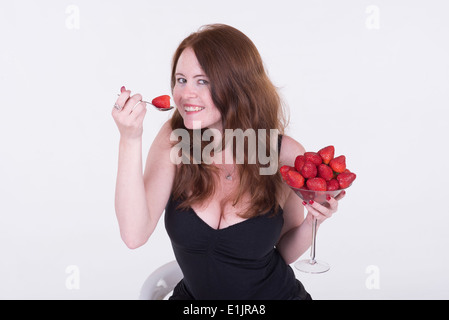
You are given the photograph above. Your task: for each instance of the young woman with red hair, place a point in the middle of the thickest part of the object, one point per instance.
(234, 231)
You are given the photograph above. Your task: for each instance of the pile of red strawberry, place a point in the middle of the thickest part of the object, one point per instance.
(318, 171)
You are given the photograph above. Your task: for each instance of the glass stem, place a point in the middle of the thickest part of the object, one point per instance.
(312, 249)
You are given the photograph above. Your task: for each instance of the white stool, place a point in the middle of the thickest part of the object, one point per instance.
(161, 282)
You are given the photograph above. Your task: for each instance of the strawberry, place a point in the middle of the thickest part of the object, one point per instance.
(299, 162)
(325, 172)
(332, 185)
(308, 170)
(313, 157)
(327, 154)
(283, 170)
(345, 179)
(338, 164)
(161, 101)
(295, 179)
(316, 184)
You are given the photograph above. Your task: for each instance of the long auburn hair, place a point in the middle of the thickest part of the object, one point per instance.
(246, 99)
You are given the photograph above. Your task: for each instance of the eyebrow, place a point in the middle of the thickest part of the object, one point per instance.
(197, 76)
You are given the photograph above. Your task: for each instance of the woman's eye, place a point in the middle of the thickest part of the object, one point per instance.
(181, 80)
(203, 82)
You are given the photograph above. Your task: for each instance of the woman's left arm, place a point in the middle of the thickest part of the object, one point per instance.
(296, 234)
(297, 237)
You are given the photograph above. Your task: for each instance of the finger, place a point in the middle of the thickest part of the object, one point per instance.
(132, 102)
(332, 203)
(141, 115)
(341, 195)
(138, 108)
(315, 213)
(327, 212)
(123, 97)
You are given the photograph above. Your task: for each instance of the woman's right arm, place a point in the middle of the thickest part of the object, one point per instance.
(140, 198)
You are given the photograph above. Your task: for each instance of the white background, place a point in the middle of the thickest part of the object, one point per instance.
(369, 77)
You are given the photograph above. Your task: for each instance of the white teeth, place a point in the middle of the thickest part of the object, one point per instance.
(189, 109)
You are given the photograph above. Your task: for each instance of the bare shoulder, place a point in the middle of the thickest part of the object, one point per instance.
(162, 139)
(158, 159)
(159, 173)
(290, 202)
(290, 149)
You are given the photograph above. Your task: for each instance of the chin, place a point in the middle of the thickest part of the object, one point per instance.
(196, 124)
(202, 119)
(199, 124)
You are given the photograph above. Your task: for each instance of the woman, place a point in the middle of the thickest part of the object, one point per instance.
(233, 230)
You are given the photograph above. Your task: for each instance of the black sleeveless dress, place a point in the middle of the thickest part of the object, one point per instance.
(239, 262)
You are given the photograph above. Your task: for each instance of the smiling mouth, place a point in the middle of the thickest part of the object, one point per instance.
(193, 108)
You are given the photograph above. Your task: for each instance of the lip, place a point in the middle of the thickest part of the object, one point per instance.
(192, 106)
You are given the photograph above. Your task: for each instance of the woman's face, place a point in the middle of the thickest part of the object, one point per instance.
(192, 94)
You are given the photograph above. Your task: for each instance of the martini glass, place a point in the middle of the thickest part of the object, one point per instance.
(312, 265)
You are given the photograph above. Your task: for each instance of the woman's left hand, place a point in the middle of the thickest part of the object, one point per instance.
(322, 211)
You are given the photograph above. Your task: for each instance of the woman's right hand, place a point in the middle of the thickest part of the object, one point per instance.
(129, 119)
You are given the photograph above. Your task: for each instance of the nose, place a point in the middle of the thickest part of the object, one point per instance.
(189, 91)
